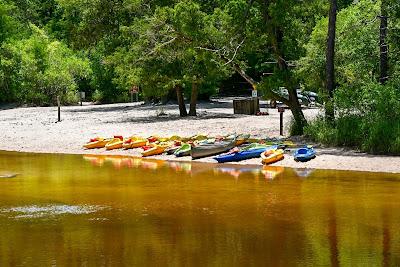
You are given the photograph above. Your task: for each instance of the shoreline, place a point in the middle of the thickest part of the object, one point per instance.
(33, 130)
(252, 163)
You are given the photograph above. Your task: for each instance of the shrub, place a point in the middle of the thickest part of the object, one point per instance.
(37, 70)
(367, 118)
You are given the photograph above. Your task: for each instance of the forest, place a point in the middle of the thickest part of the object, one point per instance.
(348, 51)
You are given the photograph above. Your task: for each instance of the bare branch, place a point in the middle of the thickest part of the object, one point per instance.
(156, 48)
(235, 53)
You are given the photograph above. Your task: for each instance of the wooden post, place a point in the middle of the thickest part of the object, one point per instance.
(59, 108)
(131, 96)
(137, 96)
(281, 110)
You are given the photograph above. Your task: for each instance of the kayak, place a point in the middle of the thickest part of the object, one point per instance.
(114, 143)
(249, 152)
(134, 142)
(183, 151)
(304, 154)
(155, 150)
(171, 150)
(175, 138)
(241, 139)
(272, 156)
(96, 143)
(211, 149)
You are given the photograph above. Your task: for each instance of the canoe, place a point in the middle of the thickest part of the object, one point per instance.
(183, 151)
(115, 143)
(207, 149)
(155, 150)
(96, 143)
(134, 142)
(304, 154)
(248, 152)
(272, 156)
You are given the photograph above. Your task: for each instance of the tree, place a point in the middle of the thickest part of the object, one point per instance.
(161, 55)
(330, 61)
(384, 61)
(259, 37)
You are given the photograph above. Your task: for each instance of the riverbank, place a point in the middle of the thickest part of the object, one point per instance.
(36, 130)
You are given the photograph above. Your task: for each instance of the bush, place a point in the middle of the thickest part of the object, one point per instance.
(36, 70)
(367, 118)
(321, 131)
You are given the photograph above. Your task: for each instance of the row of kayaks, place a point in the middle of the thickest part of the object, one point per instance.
(230, 148)
(268, 154)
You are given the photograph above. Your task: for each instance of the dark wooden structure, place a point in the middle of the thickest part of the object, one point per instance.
(249, 106)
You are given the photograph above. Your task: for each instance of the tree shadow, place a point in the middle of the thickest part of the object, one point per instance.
(155, 119)
(172, 106)
(8, 106)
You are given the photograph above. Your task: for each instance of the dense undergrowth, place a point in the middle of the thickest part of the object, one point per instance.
(367, 118)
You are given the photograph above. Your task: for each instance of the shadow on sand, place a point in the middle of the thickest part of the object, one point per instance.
(154, 119)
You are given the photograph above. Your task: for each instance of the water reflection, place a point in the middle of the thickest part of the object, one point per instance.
(192, 168)
(113, 211)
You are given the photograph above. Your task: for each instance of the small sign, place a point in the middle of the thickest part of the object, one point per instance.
(281, 109)
(254, 93)
(134, 89)
(83, 95)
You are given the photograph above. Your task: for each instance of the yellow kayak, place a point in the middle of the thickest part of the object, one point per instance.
(155, 150)
(241, 139)
(98, 143)
(134, 142)
(175, 138)
(272, 156)
(115, 143)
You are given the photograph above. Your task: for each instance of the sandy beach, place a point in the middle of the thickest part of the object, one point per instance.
(35, 129)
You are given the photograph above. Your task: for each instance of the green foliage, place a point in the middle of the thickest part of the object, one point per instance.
(357, 52)
(36, 70)
(164, 53)
(368, 119)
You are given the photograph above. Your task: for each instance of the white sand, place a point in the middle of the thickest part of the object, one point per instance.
(36, 130)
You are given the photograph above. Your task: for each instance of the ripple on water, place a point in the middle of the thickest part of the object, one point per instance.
(35, 211)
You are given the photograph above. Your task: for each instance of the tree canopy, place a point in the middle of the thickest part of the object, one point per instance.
(192, 47)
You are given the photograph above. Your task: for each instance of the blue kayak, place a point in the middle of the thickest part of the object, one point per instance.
(243, 154)
(304, 154)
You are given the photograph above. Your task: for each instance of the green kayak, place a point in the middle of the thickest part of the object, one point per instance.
(183, 151)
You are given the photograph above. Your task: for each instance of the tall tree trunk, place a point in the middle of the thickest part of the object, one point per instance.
(193, 99)
(181, 101)
(330, 62)
(276, 39)
(384, 57)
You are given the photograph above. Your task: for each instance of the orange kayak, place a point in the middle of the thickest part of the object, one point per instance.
(156, 150)
(114, 143)
(134, 142)
(96, 143)
(272, 156)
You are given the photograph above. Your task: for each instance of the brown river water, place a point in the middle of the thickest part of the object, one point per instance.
(72, 210)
